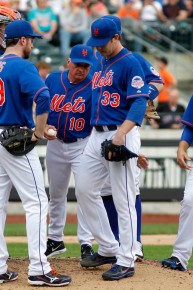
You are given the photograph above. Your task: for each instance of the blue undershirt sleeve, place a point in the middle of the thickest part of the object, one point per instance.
(187, 135)
(137, 110)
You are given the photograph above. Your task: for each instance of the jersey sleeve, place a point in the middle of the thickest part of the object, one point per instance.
(31, 83)
(151, 74)
(136, 84)
(187, 118)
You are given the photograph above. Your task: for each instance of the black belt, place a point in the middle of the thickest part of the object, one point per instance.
(6, 126)
(106, 128)
(68, 140)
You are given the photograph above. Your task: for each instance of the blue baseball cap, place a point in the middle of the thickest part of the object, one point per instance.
(102, 31)
(19, 28)
(116, 20)
(81, 54)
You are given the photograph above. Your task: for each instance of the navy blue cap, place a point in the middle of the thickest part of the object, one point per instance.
(19, 28)
(102, 31)
(116, 20)
(81, 54)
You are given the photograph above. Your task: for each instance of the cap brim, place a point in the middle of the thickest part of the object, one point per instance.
(36, 35)
(80, 60)
(98, 42)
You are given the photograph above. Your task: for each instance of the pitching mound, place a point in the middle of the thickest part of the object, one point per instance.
(148, 276)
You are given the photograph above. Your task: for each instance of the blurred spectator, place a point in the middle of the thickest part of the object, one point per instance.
(43, 68)
(5, 3)
(128, 10)
(152, 11)
(113, 5)
(189, 6)
(170, 113)
(175, 10)
(15, 4)
(95, 10)
(169, 80)
(44, 21)
(57, 5)
(74, 26)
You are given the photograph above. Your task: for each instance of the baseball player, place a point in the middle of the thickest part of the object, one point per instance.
(155, 85)
(71, 94)
(17, 96)
(182, 250)
(119, 99)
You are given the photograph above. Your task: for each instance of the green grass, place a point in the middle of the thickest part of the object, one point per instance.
(71, 229)
(73, 250)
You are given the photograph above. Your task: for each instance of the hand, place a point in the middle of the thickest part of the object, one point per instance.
(182, 157)
(46, 134)
(119, 139)
(142, 162)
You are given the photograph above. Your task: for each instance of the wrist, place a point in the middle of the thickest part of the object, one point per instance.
(37, 137)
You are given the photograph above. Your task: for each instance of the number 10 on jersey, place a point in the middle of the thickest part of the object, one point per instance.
(77, 125)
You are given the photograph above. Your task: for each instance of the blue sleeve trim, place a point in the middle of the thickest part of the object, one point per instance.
(138, 95)
(153, 92)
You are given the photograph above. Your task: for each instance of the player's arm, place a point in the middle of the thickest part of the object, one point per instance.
(135, 117)
(42, 101)
(186, 141)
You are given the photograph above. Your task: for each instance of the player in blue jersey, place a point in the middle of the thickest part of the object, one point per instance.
(182, 250)
(21, 85)
(155, 85)
(71, 95)
(119, 101)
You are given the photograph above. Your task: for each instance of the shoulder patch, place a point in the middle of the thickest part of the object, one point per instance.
(154, 71)
(137, 82)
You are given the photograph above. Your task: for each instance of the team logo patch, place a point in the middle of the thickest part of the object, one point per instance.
(154, 71)
(137, 82)
(84, 52)
(96, 32)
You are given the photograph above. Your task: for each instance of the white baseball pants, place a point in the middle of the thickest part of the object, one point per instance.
(62, 159)
(92, 174)
(184, 242)
(25, 173)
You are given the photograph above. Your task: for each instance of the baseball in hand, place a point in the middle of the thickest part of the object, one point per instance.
(51, 132)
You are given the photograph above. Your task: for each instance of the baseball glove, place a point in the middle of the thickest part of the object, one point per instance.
(151, 112)
(17, 141)
(119, 153)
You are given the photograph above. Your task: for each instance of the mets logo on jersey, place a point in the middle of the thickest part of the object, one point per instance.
(137, 82)
(58, 104)
(104, 81)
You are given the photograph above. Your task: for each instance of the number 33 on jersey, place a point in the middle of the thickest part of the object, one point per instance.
(70, 106)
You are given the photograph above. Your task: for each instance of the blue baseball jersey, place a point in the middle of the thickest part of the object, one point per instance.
(20, 85)
(150, 73)
(187, 118)
(70, 106)
(116, 82)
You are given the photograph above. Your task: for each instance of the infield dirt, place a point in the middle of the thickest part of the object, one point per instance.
(148, 276)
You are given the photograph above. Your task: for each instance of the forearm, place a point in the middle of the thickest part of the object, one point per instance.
(41, 121)
(183, 145)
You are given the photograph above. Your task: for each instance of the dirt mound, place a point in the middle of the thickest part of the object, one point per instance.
(148, 276)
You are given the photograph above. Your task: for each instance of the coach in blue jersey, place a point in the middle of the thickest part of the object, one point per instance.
(119, 99)
(71, 97)
(21, 85)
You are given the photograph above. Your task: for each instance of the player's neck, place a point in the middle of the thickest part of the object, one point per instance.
(12, 50)
(115, 52)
